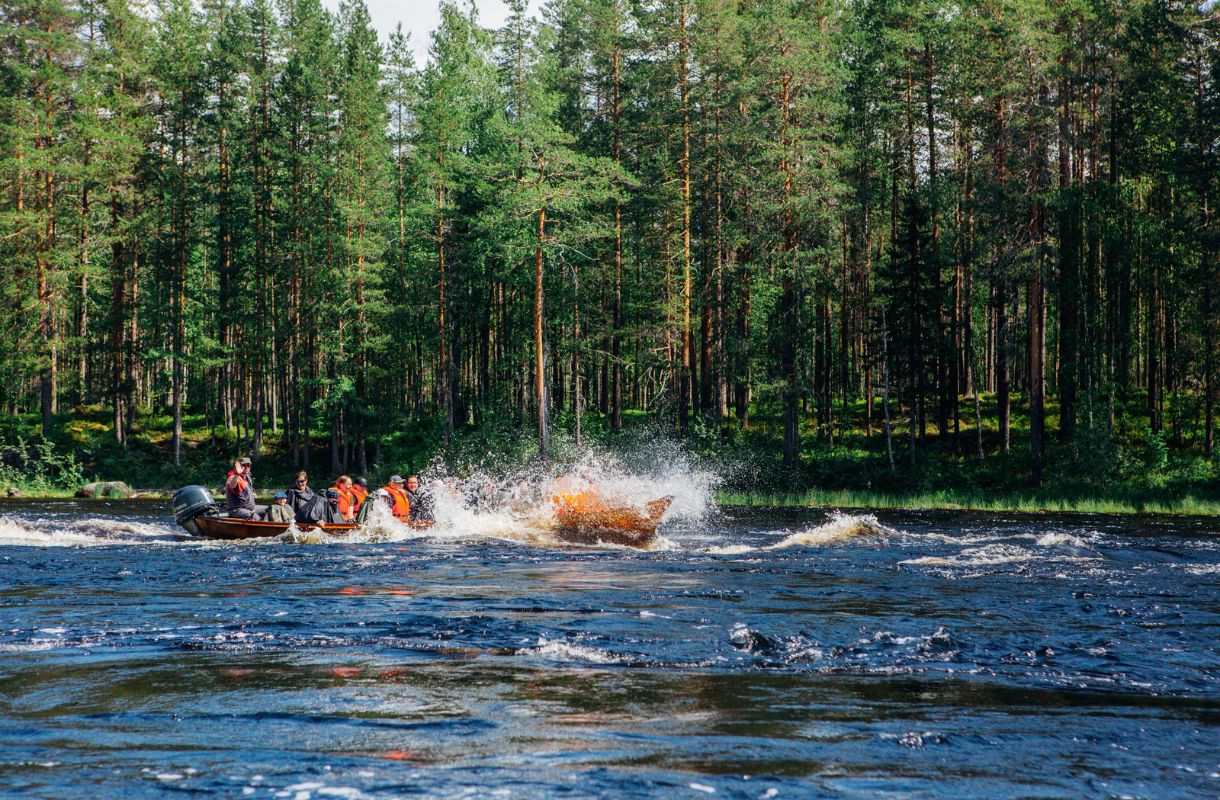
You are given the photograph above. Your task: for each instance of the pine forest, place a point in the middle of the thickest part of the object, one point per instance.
(849, 244)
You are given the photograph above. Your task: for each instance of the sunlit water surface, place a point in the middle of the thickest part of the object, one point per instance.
(760, 655)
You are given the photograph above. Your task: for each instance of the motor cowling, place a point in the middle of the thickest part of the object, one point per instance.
(191, 502)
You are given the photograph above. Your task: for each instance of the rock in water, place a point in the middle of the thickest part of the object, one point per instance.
(116, 490)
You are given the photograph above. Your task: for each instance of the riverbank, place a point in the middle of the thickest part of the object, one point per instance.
(843, 499)
(1129, 471)
(1186, 506)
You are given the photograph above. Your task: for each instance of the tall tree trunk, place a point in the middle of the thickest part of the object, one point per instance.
(443, 387)
(1036, 307)
(1003, 399)
(577, 399)
(789, 302)
(1069, 260)
(224, 314)
(539, 354)
(82, 294)
(721, 399)
(999, 291)
(885, 388)
(42, 260)
(616, 342)
(118, 305)
(685, 383)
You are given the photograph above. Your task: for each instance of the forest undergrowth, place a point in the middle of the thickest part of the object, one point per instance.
(1118, 468)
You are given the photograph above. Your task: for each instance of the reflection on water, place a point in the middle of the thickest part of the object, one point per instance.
(785, 654)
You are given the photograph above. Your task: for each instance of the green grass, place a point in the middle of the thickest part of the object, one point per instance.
(847, 498)
(35, 493)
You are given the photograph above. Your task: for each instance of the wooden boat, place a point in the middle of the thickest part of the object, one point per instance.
(233, 528)
(599, 522)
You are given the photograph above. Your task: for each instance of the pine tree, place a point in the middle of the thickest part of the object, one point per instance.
(302, 148)
(364, 179)
(794, 59)
(182, 88)
(454, 90)
(41, 57)
(541, 179)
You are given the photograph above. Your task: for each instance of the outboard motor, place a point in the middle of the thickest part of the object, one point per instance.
(191, 502)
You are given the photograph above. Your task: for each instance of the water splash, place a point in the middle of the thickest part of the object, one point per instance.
(839, 529)
(518, 503)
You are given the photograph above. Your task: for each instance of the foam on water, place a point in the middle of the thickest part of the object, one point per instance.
(1000, 554)
(84, 532)
(563, 650)
(839, 529)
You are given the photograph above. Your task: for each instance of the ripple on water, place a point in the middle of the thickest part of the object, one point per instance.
(801, 651)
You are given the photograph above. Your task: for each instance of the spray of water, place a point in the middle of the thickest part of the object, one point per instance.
(518, 503)
(838, 530)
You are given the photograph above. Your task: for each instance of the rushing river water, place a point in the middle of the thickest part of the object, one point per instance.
(753, 655)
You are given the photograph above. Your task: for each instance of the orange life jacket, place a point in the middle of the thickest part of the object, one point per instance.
(347, 502)
(359, 495)
(402, 506)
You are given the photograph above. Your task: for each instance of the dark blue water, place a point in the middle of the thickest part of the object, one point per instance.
(927, 655)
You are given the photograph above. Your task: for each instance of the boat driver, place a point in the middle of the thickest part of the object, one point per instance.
(239, 493)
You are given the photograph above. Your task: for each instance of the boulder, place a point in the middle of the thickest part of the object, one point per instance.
(13, 492)
(115, 490)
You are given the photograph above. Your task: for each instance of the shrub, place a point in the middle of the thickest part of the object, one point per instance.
(38, 466)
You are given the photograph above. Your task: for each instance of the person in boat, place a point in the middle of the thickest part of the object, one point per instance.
(279, 511)
(348, 505)
(360, 493)
(332, 512)
(419, 503)
(307, 507)
(396, 495)
(239, 492)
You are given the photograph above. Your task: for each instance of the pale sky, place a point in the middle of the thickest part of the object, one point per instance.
(420, 17)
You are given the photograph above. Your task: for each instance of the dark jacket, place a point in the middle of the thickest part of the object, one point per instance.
(306, 506)
(331, 515)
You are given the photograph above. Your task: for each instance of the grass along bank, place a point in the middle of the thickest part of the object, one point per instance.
(960, 501)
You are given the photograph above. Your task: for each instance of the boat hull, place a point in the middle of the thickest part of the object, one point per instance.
(231, 528)
(613, 525)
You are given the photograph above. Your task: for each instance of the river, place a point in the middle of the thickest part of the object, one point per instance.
(752, 654)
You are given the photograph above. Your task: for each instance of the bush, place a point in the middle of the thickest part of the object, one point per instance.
(38, 466)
